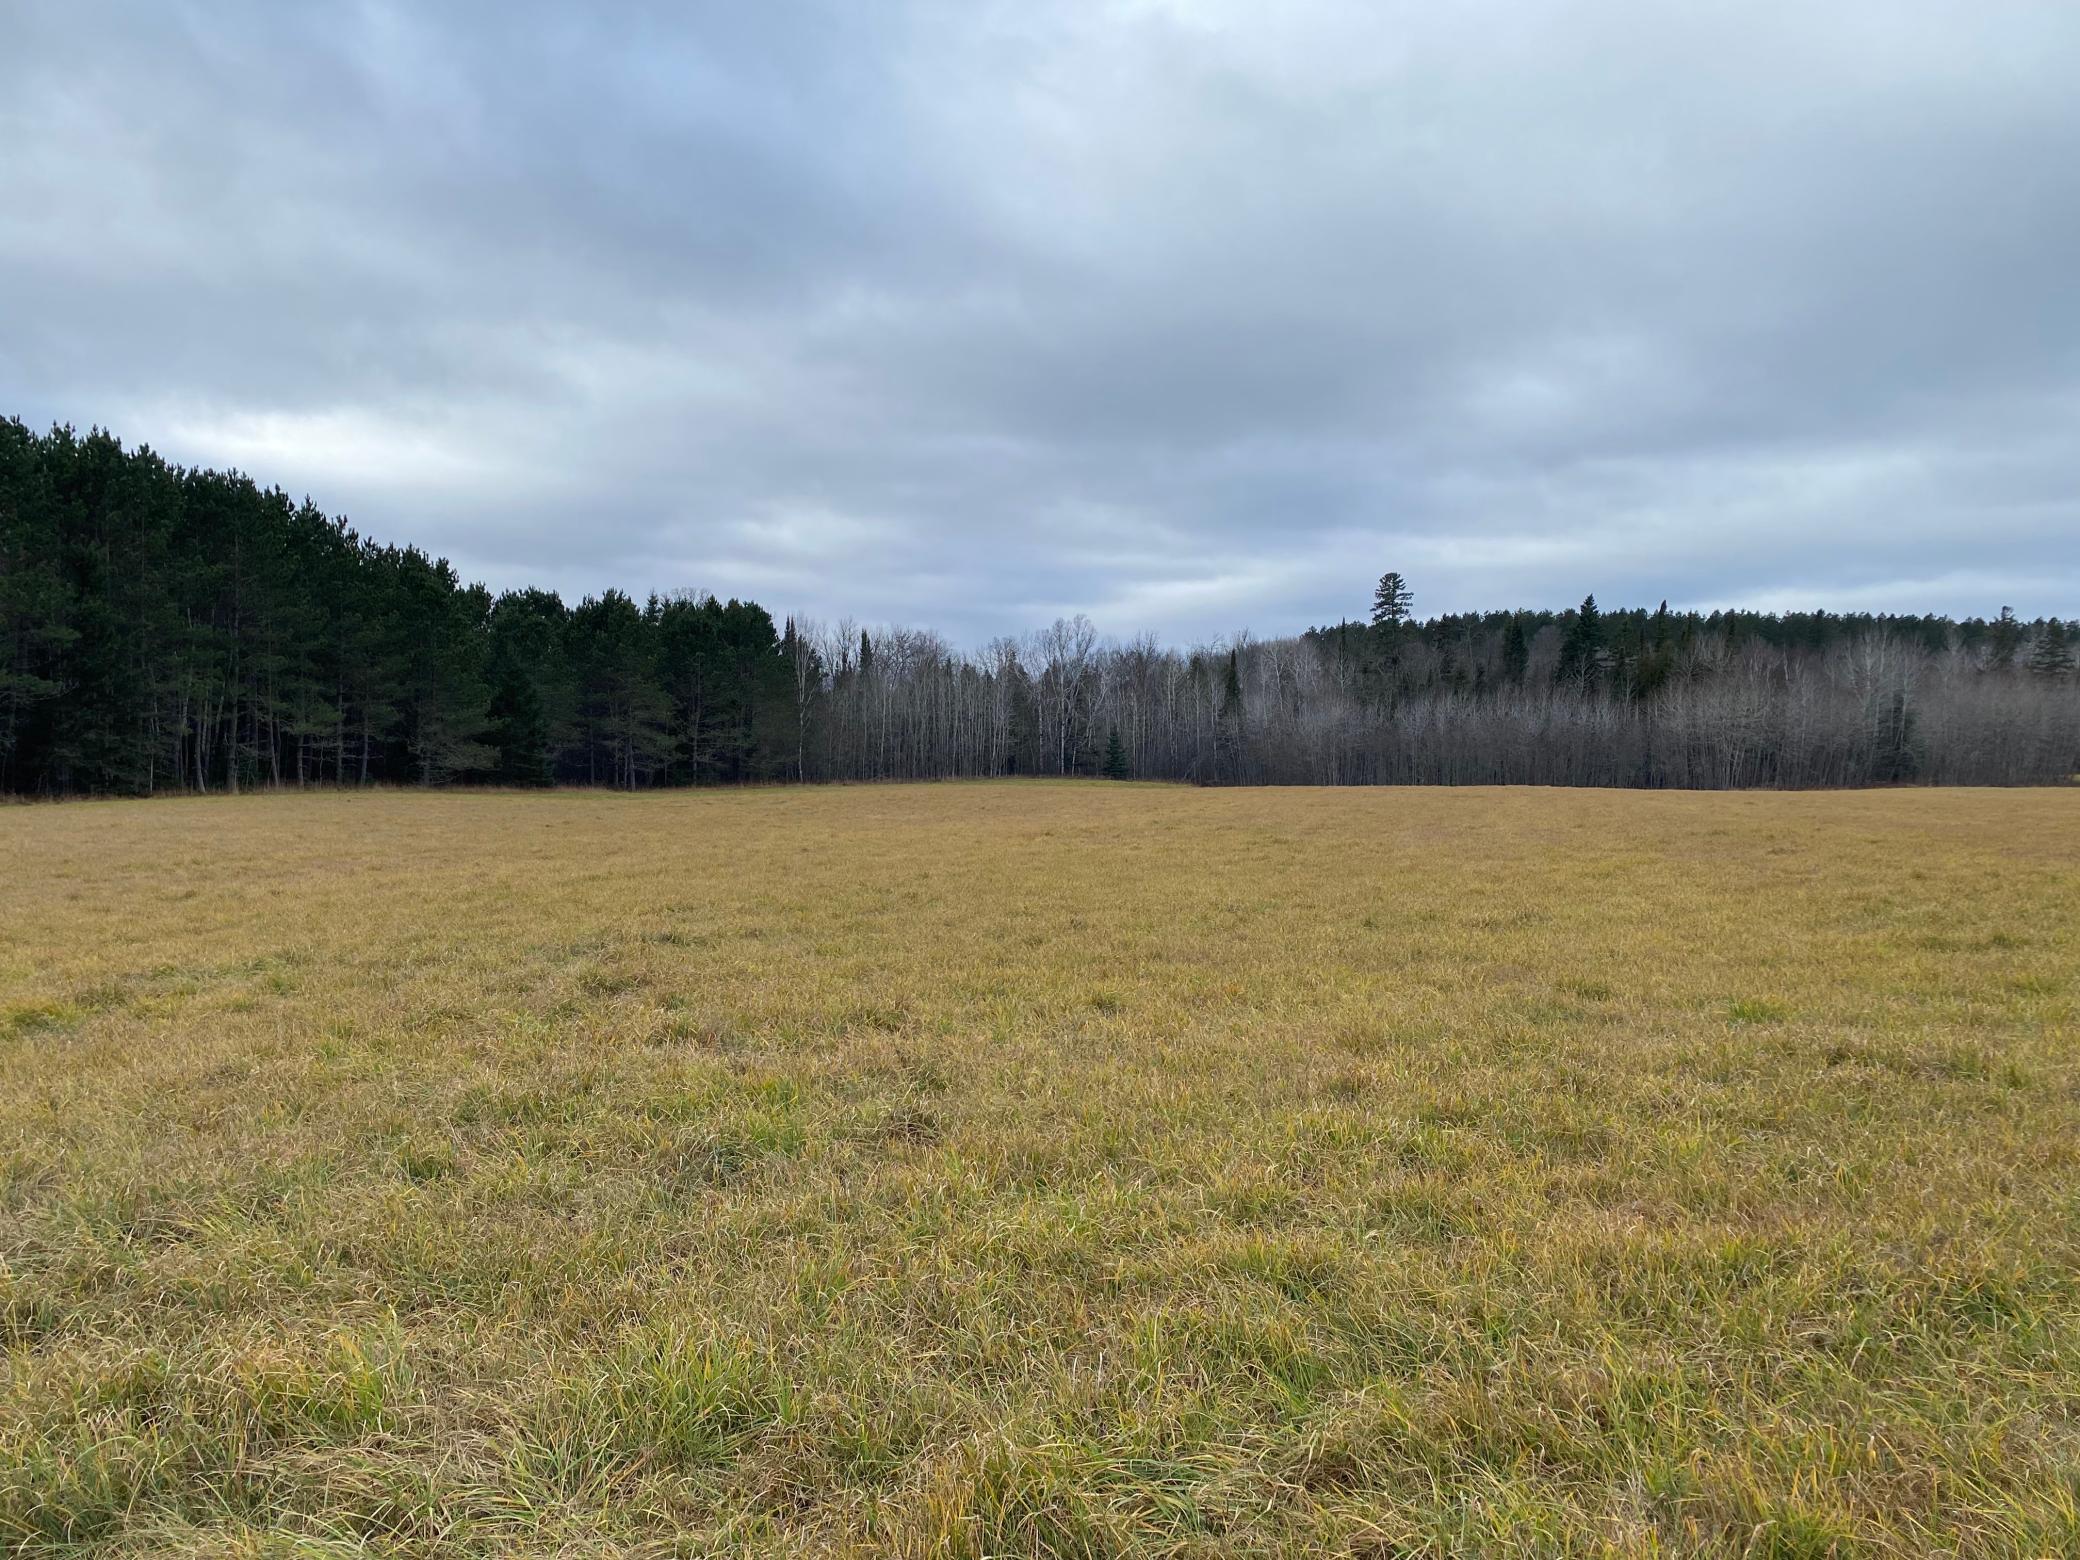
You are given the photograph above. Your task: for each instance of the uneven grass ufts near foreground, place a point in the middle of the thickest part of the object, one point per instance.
(1041, 1169)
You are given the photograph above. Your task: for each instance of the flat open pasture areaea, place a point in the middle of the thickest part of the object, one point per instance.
(1041, 1169)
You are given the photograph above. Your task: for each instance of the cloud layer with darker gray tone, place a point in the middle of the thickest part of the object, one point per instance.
(1192, 316)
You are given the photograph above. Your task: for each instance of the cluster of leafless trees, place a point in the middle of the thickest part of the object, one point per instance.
(1684, 702)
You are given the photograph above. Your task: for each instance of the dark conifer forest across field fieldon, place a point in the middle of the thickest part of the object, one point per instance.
(165, 629)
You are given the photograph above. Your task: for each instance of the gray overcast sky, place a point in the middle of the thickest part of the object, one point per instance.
(1190, 314)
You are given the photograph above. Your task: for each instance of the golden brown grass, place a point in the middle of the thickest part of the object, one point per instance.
(1041, 1169)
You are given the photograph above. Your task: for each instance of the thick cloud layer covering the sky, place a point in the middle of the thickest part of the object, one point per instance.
(1191, 315)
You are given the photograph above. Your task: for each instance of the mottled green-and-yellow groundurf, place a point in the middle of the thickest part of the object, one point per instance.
(1041, 1169)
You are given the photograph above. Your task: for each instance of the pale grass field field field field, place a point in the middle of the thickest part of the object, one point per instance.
(1034, 1169)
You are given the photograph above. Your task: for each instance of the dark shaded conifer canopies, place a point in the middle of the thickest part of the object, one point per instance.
(168, 629)
(2053, 655)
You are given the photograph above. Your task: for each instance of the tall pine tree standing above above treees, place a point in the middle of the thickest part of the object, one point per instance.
(1391, 602)
(1582, 650)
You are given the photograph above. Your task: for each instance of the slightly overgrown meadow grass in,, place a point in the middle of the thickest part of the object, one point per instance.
(1041, 1169)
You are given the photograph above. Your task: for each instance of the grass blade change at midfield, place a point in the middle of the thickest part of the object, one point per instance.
(1041, 1169)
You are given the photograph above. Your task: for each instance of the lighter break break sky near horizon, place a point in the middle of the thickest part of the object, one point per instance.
(1193, 315)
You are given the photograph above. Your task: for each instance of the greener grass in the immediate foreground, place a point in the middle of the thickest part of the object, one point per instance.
(1041, 1169)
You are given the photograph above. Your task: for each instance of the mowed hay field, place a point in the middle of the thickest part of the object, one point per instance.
(1042, 1169)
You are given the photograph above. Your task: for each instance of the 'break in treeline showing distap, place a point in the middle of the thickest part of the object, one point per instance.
(169, 629)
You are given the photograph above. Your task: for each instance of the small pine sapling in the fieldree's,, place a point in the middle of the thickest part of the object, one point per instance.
(1116, 767)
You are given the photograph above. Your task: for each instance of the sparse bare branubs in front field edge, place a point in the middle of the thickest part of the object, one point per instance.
(1041, 1169)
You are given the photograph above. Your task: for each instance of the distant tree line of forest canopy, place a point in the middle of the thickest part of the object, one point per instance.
(172, 629)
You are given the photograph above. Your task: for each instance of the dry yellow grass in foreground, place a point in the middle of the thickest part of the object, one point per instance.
(1037, 1169)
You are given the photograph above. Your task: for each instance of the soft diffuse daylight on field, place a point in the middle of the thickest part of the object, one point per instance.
(1021, 1169)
